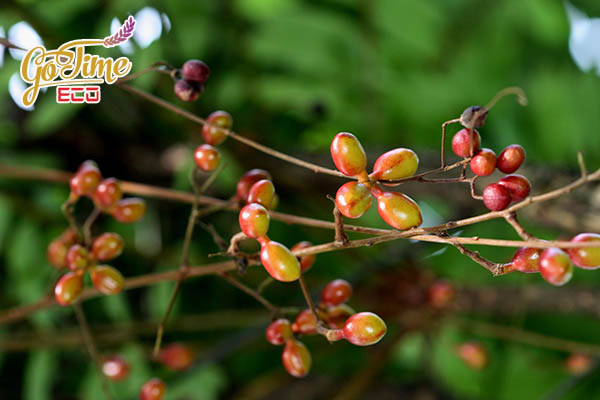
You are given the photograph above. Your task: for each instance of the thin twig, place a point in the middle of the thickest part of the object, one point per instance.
(512, 220)
(87, 226)
(248, 290)
(443, 148)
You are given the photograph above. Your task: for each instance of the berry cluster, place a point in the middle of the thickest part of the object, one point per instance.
(190, 85)
(106, 194)
(554, 264)
(353, 199)
(214, 133)
(360, 329)
(257, 191)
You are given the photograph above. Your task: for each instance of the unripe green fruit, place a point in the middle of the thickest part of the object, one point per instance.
(68, 288)
(56, 253)
(585, 257)
(216, 134)
(555, 266)
(77, 257)
(263, 193)
(129, 210)
(353, 199)
(395, 164)
(279, 262)
(398, 210)
(348, 154)
(249, 179)
(279, 331)
(254, 220)
(527, 260)
(107, 246)
(296, 358)
(106, 279)
(364, 329)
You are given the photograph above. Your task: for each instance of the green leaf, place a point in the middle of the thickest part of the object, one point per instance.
(37, 382)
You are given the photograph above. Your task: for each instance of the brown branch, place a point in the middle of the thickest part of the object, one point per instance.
(248, 290)
(512, 220)
(443, 148)
(495, 268)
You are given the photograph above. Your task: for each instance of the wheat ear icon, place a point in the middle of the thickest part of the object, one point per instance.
(122, 35)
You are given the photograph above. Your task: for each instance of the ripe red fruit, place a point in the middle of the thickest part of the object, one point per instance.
(249, 179)
(56, 253)
(263, 193)
(279, 331)
(106, 279)
(215, 133)
(107, 246)
(86, 179)
(305, 323)
(107, 193)
(154, 389)
(527, 259)
(305, 261)
(68, 288)
(129, 210)
(176, 357)
(348, 154)
(395, 164)
(188, 90)
(461, 142)
(555, 266)
(296, 358)
(195, 70)
(398, 210)
(207, 157)
(336, 316)
(115, 368)
(578, 364)
(364, 329)
(254, 220)
(496, 197)
(279, 262)
(353, 199)
(77, 257)
(441, 294)
(474, 355)
(336, 292)
(511, 158)
(518, 186)
(585, 257)
(483, 162)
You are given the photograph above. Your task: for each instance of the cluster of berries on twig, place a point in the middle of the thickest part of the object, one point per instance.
(189, 85)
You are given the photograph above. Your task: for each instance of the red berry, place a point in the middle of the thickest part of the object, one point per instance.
(474, 355)
(483, 162)
(353, 199)
(364, 329)
(129, 210)
(305, 261)
(461, 142)
(215, 133)
(154, 389)
(86, 179)
(555, 266)
(107, 193)
(585, 257)
(68, 288)
(511, 158)
(305, 323)
(207, 157)
(578, 364)
(195, 70)
(526, 259)
(395, 164)
(254, 220)
(296, 358)
(279, 262)
(441, 294)
(348, 154)
(263, 193)
(188, 90)
(115, 368)
(107, 246)
(106, 279)
(56, 253)
(518, 186)
(77, 257)
(176, 357)
(279, 331)
(336, 292)
(249, 179)
(398, 210)
(337, 315)
(496, 197)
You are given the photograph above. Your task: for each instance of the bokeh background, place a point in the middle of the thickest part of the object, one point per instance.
(293, 73)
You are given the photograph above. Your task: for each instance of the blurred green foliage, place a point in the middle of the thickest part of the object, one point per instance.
(292, 73)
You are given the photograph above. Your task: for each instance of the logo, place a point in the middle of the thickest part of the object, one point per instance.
(75, 73)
